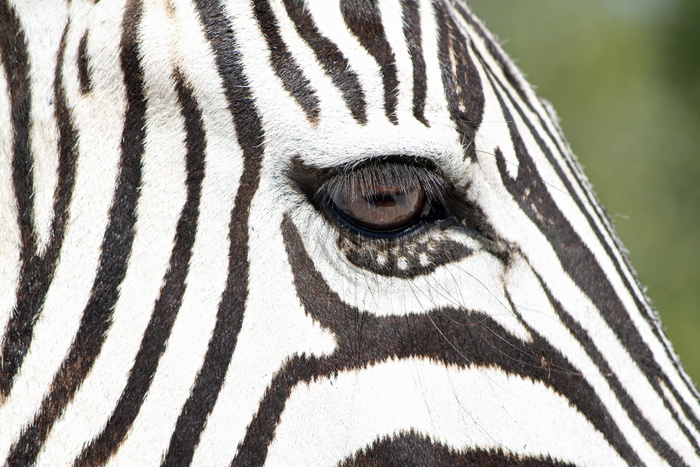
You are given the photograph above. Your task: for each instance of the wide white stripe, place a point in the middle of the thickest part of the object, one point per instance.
(329, 419)
(99, 120)
(162, 196)
(436, 108)
(150, 435)
(9, 228)
(392, 20)
(42, 39)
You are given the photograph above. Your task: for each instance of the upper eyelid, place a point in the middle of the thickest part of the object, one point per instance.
(434, 186)
(309, 178)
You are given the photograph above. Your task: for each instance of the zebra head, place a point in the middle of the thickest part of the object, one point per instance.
(307, 233)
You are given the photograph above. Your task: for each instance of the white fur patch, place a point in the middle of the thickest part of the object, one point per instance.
(329, 419)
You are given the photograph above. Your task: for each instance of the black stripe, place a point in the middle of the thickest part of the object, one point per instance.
(364, 20)
(15, 60)
(530, 192)
(229, 316)
(334, 63)
(36, 271)
(116, 248)
(413, 449)
(169, 301)
(463, 89)
(451, 336)
(284, 64)
(413, 34)
(84, 66)
(501, 59)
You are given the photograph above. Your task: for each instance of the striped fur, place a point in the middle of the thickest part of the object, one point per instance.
(170, 293)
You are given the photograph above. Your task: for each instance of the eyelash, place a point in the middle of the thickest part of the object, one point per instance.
(384, 177)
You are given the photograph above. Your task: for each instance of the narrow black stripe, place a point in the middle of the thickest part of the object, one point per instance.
(229, 316)
(364, 20)
(36, 271)
(169, 301)
(463, 89)
(451, 336)
(501, 59)
(530, 192)
(413, 34)
(334, 63)
(413, 449)
(116, 248)
(284, 63)
(15, 58)
(84, 66)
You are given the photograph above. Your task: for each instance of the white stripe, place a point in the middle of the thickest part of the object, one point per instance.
(42, 39)
(162, 196)
(392, 20)
(99, 120)
(436, 108)
(329, 419)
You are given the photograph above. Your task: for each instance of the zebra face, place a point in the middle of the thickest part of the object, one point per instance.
(308, 233)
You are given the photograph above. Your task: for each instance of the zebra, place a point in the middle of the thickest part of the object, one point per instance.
(308, 232)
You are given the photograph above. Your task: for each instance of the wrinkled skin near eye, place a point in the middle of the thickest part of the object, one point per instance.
(380, 205)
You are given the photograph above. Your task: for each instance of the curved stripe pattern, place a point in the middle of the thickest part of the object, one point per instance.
(177, 287)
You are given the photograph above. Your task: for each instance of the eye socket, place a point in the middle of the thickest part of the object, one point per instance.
(380, 206)
(384, 199)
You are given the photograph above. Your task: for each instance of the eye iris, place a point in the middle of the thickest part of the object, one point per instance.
(381, 206)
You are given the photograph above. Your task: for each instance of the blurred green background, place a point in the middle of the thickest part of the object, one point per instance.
(624, 77)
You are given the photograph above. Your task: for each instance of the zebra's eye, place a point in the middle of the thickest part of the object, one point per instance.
(380, 205)
(383, 199)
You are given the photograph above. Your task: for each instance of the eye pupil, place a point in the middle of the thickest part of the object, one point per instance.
(381, 205)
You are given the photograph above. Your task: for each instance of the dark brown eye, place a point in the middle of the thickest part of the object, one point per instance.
(381, 204)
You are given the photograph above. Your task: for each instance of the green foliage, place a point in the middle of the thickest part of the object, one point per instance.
(624, 77)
